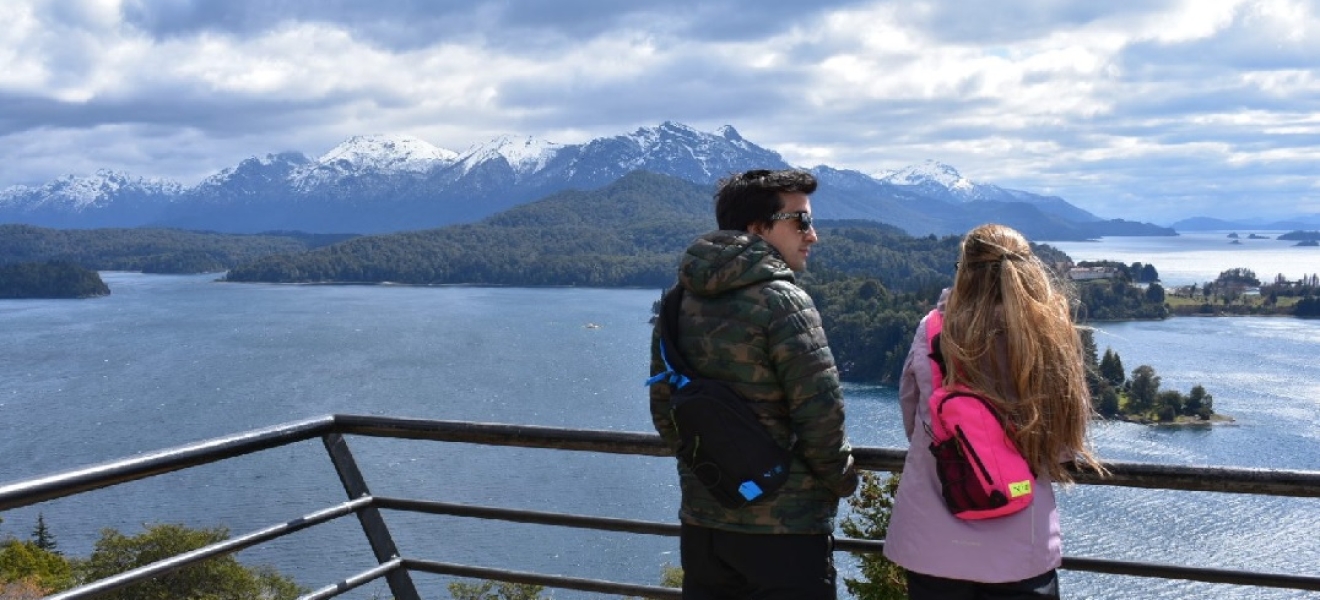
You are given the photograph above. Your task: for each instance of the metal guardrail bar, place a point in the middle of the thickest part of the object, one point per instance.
(1272, 482)
(363, 578)
(378, 534)
(528, 516)
(555, 581)
(1265, 482)
(179, 561)
(879, 459)
(1205, 574)
(68, 483)
(498, 434)
(1269, 482)
(1096, 565)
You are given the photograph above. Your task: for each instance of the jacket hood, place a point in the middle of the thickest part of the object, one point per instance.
(725, 260)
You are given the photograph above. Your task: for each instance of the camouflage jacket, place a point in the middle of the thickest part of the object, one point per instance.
(744, 321)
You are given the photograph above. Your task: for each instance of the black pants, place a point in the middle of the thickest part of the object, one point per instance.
(722, 565)
(927, 587)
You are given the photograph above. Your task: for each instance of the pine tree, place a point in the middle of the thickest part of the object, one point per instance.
(871, 507)
(42, 536)
(1111, 368)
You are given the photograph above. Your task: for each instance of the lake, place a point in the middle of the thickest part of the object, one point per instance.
(168, 360)
(1200, 256)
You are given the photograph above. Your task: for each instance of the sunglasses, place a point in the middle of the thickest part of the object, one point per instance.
(803, 218)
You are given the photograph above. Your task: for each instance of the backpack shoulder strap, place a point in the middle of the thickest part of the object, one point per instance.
(670, 310)
(667, 323)
(934, 325)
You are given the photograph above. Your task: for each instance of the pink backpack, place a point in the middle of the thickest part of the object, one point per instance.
(982, 473)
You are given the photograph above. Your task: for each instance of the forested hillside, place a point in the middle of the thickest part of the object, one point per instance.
(626, 234)
(149, 250)
(50, 280)
(629, 233)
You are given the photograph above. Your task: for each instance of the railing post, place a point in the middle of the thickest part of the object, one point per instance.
(382, 544)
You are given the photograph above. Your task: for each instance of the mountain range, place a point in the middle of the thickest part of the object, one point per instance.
(380, 183)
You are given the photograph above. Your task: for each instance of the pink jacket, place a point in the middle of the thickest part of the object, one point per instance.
(923, 535)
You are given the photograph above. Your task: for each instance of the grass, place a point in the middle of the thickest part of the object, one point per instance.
(1242, 304)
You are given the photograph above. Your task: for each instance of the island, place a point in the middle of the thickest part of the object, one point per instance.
(50, 280)
(1301, 235)
(1139, 399)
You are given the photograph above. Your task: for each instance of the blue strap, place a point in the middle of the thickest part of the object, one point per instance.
(672, 377)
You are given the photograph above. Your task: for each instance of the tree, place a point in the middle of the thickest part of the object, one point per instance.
(1200, 403)
(1108, 404)
(1238, 277)
(1149, 274)
(1095, 382)
(26, 562)
(1196, 400)
(1089, 358)
(42, 536)
(1155, 293)
(1170, 404)
(1145, 388)
(869, 520)
(1111, 368)
(870, 289)
(1308, 306)
(219, 578)
(494, 590)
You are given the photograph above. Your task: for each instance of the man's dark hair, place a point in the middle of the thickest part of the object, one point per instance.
(752, 196)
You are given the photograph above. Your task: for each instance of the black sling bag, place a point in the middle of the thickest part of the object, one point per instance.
(721, 439)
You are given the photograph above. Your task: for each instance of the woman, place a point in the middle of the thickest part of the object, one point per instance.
(1008, 335)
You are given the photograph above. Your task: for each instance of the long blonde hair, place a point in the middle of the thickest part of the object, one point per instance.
(1006, 305)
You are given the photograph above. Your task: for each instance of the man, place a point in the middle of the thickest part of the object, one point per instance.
(744, 321)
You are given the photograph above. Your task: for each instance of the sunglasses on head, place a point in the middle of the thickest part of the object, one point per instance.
(803, 218)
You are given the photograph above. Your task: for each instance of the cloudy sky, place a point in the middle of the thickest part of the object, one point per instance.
(1152, 110)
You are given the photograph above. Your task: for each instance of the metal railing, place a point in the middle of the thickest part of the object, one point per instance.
(397, 569)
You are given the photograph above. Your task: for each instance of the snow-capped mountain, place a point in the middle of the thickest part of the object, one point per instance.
(939, 180)
(933, 175)
(104, 199)
(380, 183)
(508, 171)
(79, 193)
(252, 177)
(525, 156)
(672, 149)
(384, 155)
